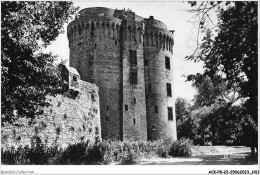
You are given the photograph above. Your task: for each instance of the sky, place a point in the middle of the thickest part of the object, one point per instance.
(174, 14)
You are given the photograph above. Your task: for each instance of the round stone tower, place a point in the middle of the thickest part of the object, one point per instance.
(106, 47)
(158, 44)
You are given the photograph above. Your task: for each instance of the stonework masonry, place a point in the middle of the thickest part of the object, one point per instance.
(130, 59)
(67, 120)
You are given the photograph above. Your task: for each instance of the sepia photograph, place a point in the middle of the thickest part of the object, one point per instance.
(129, 87)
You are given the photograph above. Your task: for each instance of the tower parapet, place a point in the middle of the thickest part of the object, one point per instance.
(157, 35)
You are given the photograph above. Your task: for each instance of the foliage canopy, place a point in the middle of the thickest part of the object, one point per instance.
(232, 53)
(28, 74)
(228, 50)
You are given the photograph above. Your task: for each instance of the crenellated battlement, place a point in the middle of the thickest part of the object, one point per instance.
(90, 29)
(157, 35)
(159, 39)
(107, 25)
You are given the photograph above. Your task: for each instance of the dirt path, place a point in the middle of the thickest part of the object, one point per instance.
(209, 155)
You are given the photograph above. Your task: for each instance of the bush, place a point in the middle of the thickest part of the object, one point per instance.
(27, 156)
(148, 149)
(35, 156)
(94, 155)
(101, 153)
(198, 140)
(104, 152)
(129, 157)
(181, 148)
(73, 154)
(129, 153)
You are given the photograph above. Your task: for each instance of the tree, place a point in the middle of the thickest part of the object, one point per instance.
(232, 52)
(28, 74)
(214, 95)
(181, 108)
(185, 125)
(210, 90)
(220, 125)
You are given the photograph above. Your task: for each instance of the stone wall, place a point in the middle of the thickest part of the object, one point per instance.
(134, 118)
(68, 119)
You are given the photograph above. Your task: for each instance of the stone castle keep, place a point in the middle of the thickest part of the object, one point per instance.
(130, 59)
